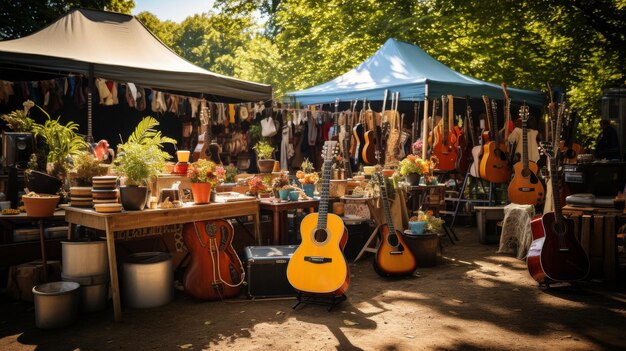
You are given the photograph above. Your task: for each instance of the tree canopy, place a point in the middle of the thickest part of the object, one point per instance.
(579, 45)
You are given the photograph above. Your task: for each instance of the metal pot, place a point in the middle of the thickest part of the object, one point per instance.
(83, 258)
(56, 304)
(94, 291)
(148, 279)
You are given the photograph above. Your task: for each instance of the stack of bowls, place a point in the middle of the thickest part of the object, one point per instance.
(104, 189)
(80, 196)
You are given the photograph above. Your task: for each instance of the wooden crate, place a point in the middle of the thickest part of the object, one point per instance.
(487, 218)
(597, 232)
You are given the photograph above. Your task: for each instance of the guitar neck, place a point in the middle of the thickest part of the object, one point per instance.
(323, 206)
(385, 198)
(525, 144)
(556, 197)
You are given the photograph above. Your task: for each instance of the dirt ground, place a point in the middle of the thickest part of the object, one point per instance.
(473, 299)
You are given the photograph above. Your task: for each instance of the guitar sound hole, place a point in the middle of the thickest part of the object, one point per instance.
(320, 235)
(392, 240)
(526, 173)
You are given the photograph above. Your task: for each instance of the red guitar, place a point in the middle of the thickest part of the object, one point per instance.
(444, 148)
(555, 254)
(215, 271)
(494, 164)
(392, 257)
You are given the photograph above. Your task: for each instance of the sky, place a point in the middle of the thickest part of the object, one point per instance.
(172, 10)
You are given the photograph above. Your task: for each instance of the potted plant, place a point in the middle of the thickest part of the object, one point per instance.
(256, 186)
(279, 185)
(202, 174)
(140, 160)
(264, 152)
(413, 167)
(307, 177)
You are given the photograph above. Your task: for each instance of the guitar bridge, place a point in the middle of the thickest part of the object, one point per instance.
(317, 259)
(396, 252)
(526, 189)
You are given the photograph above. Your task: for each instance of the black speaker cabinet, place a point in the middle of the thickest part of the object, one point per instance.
(17, 148)
(267, 271)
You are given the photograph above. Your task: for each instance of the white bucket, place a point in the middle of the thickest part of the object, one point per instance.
(85, 258)
(148, 280)
(56, 304)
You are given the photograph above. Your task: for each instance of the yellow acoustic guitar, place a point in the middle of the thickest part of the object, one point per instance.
(318, 265)
(392, 256)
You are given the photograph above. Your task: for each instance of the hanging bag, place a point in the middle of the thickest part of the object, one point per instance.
(268, 128)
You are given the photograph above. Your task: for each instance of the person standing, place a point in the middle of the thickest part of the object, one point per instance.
(607, 143)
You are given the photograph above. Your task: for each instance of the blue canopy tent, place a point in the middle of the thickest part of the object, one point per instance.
(409, 70)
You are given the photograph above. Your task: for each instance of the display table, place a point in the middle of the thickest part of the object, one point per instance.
(112, 222)
(418, 193)
(279, 213)
(22, 217)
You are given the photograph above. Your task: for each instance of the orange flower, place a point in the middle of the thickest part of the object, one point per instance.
(299, 174)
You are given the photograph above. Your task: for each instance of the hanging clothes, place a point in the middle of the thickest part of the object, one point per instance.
(286, 149)
(312, 129)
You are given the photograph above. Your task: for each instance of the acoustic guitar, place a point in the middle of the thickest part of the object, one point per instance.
(318, 265)
(494, 165)
(569, 149)
(200, 150)
(359, 135)
(525, 187)
(207, 148)
(215, 271)
(555, 255)
(477, 149)
(372, 147)
(392, 257)
(444, 148)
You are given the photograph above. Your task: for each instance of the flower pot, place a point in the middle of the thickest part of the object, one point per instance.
(201, 192)
(284, 194)
(388, 172)
(42, 183)
(265, 166)
(42, 206)
(309, 189)
(413, 179)
(294, 195)
(417, 227)
(133, 198)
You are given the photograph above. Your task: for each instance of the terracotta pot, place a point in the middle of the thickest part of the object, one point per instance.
(40, 206)
(201, 192)
(133, 198)
(388, 172)
(265, 166)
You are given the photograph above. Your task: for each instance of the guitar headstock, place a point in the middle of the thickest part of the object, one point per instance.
(330, 150)
(523, 113)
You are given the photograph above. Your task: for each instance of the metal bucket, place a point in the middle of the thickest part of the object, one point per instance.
(56, 304)
(83, 258)
(94, 291)
(148, 280)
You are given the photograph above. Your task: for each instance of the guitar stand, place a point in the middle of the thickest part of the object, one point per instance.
(462, 198)
(328, 300)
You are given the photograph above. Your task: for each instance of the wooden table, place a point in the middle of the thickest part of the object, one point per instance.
(59, 214)
(111, 222)
(418, 194)
(279, 211)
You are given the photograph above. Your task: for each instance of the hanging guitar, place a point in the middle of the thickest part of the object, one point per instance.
(371, 150)
(569, 149)
(318, 265)
(359, 135)
(215, 271)
(494, 165)
(393, 258)
(477, 149)
(347, 142)
(203, 142)
(525, 187)
(444, 148)
(555, 255)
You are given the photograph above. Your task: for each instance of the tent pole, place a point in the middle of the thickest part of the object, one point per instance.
(90, 78)
(425, 123)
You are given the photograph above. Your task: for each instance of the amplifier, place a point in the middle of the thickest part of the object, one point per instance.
(266, 268)
(598, 178)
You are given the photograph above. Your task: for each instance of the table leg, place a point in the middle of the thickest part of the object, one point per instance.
(276, 227)
(115, 287)
(42, 241)
(257, 228)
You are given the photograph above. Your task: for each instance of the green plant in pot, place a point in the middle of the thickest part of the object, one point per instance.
(265, 153)
(85, 167)
(142, 157)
